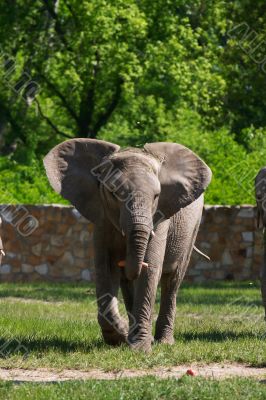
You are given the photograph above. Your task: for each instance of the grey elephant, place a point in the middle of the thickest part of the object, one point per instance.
(2, 253)
(260, 191)
(146, 205)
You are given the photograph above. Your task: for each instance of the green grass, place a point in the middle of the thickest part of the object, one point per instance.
(186, 388)
(57, 325)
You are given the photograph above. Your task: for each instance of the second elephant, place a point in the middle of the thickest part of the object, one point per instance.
(260, 191)
(146, 205)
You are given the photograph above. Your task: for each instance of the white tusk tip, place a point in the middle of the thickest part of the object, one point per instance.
(144, 264)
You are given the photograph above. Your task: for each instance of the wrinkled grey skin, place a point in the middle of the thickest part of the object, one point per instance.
(121, 191)
(260, 191)
(1, 244)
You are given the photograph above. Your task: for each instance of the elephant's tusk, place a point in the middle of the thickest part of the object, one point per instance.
(122, 263)
(200, 252)
(2, 252)
(123, 233)
(145, 264)
(152, 233)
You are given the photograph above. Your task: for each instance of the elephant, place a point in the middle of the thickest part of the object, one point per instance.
(260, 191)
(2, 253)
(146, 206)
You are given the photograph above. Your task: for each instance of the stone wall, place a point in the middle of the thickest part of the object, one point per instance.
(54, 243)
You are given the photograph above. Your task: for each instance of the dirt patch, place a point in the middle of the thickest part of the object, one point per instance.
(215, 371)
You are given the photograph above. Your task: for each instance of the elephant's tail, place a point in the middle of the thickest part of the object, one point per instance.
(201, 253)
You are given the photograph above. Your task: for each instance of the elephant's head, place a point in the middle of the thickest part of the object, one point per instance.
(134, 188)
(260, 190)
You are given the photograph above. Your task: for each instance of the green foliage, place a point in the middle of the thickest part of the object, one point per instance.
(25, 184)
(234, 166)
(133, 72)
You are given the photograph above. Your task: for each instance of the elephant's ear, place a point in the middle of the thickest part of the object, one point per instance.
(69, 168)
(183, 176)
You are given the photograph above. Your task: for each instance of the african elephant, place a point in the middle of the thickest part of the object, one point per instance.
(146, 205)
(2, 253)
(260, 191)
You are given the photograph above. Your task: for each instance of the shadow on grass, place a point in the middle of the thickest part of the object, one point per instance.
(214, 299)
(64, 346)
(49, 292)
(43, 345)
(216, 336)
(207, 293)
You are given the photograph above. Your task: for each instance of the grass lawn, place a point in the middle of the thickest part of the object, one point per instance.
(186, 388)
(56, 325)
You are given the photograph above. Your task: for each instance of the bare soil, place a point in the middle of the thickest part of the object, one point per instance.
(215, 371)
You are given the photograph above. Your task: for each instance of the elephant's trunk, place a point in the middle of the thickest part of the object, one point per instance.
(137, 242)
(263, 277)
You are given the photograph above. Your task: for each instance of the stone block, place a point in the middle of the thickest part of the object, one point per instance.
(219, 274)
(246, 212)
(62, 228)
(80, 251)
(32, 259)
(213, 237)
(204, 265)
(69, 232)
(55, 251)
(249, 252)
(204, 245)
(56, 272)
(199, 279)
(57, 240)
(27, 268)
(258, 250)
(42, 269)
(226, 258)
(86, 236)
(248, 263)
(11, 255)
(70, 271)
(86, 275)
(5, 269)
(67, 259)
(193, 272)
(77, 227)
(248, 236)
(37, 249)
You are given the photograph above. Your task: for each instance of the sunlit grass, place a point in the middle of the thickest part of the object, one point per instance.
(186, 388)
(56, 325)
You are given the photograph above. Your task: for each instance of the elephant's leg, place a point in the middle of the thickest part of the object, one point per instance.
(114, 327)
(127, 288)
(145, 287)
(181, 238)
(164, 330)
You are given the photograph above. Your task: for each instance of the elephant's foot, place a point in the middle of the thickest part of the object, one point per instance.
(114, 338)
(143, 345)
(114, 331)
(166, 340)
(165, 337)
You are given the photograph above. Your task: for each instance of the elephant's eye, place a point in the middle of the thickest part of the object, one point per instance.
(156, 196)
